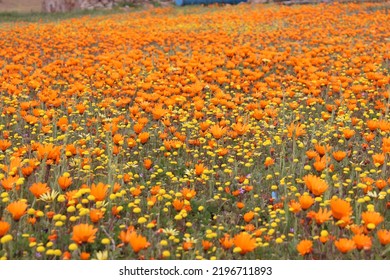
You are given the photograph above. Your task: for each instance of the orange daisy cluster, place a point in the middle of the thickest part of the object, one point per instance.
(218, 132)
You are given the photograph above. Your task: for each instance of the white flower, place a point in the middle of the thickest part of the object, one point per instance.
(49, 197)
(102, 255)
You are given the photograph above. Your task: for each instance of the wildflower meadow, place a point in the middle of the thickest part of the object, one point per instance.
(204, 132)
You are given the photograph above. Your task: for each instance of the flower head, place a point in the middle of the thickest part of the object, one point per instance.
(137, 242)
(362, 241)
(38, 189)
(345, 245)
(384, 236)
(99, 191)
(4, 227)
(84, 233)
(371, 217)
(340, 208)
(305, 247)
(245, 242)
(315, 184)
(17, 209)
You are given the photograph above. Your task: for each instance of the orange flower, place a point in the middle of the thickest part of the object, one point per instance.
(62, 123)
(386, 145)
(136, 191)
(144, 137)
(369, 137)
(118, 139)
(204, 126)
(295, 131)
(315, 184)
(340, 208)
(339, 155)
(295, 207)
(4, 227)
(155, 190)
(345, 245)
(66, 255)
(258, 114)
(240, 128)
(178, 204)
(306, 201)
(5, 144)
(320, 164)
(362, 242)
(322, 216)
(249, 216)
(99, 191)
(348, 133)
(372, 124)
(381, 184)
(240, 205)
(305, 247)
(311, 154)
(371, 217)
(217, 131)
(96, 215)
(9, 183)
(357, 229)
(245, 242)
(269, 161)
(125, 235)
(249, 227)
(384, 236)
(85, 256)
(226, 241)
(206, 244)
(148, 163)
(379, 158)
(64, 182)
(188, 245)
(17, 209)
(27, 171)
(199, 169)
(188, 193)
(49, 152)
(137, 242)
(322, 150)
(38, 189)
(84, 233)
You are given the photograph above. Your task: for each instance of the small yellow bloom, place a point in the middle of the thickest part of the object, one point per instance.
(105, 241)
(371, 226)
(72, 247)
(50, 252)
(151, 225)
(71, 209)
(59, 224)
(40, 249)
(178, 217)
(237, 250)
(86, 167)
(166, 254)
(324, 233)
(6, 238)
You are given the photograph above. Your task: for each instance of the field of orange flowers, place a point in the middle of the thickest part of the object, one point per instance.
(236, 132)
